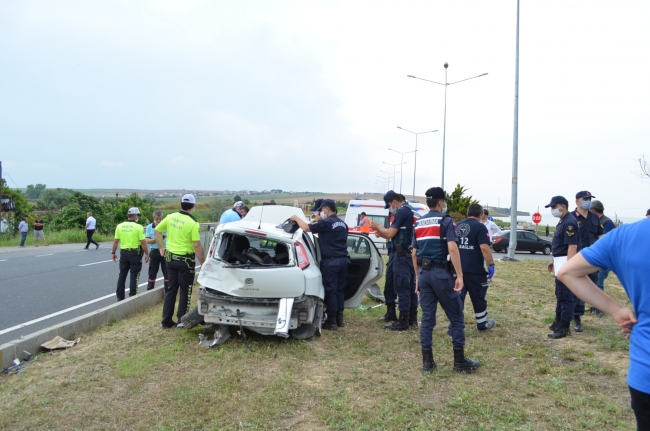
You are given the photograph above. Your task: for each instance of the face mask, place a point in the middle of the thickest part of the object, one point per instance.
(585, 205)
(556, 212)
(444, 210)
(392, 210)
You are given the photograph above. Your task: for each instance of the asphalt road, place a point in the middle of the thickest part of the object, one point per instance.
(36, 282)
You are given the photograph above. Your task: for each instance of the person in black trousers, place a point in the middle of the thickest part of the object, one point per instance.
(91, 223)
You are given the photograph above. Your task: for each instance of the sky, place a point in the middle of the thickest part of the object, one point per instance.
(308, 95)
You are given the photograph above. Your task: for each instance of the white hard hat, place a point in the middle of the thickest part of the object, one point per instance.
(134, 211)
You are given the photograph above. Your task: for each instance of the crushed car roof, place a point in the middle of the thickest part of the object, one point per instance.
(266, 219)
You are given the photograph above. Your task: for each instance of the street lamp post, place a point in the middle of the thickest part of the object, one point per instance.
(401, 163)
(394, 167)
(415, 162)
(389, 175)
(444, 126)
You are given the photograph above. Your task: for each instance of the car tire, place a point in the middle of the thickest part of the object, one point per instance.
(547, 250)
(497, 250)
(306, 331)
(192, 318)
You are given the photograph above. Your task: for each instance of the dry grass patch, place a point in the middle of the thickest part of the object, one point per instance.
(133, 376)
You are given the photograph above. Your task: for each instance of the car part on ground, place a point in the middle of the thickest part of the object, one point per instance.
(221, 335)
(192, 318)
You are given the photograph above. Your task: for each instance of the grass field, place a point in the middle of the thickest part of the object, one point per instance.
(130, 375)
(59, 237)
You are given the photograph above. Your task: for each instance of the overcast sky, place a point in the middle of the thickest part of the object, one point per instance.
(303, 95)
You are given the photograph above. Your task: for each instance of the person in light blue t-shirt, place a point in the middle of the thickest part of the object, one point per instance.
(236, 213)
(156, 260)
(626, 251)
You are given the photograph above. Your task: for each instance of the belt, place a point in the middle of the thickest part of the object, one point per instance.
(334, 257)
(129, 249)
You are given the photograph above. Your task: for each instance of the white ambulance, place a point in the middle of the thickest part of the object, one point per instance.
(376, 212)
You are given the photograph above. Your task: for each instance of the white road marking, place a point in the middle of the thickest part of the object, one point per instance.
(41, 255)
(95, 263)
(79, 251)
(31, 322)
(3, 260)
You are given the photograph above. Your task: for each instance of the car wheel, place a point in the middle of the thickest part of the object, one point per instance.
(308, 330)
(192, 318)
(497, 250)
(547, 250)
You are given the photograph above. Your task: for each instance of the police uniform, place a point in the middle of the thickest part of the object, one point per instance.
(333, 240)
(590, 229)
(433, 232)
(401, 266)
(155, 259)
(131, 235)
(471, 235)
(566, 233)
(390, 297)
(182, 231)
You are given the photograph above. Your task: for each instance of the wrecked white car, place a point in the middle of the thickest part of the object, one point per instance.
(265, 278)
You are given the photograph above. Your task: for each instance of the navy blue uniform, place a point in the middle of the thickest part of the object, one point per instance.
(432, 233)
(590, 229)
(471, 234)
(401, 262)
(566, 233)
(333, 240)
(389, 289)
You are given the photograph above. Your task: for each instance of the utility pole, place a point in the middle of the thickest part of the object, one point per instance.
(512, 245)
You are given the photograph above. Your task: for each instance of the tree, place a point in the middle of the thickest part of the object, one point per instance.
(218, 207)
(145, 205)
(34, 191)
(54, 199)
(645, 168)
(237, 198)
(457, 206)
(21, 210)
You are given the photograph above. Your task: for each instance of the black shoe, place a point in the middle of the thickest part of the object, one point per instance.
(428, 364)
(463, 363)
(553, 326)
(577, 324)
(489, 324)
(561, 331)
(330, 324)
(401, 325)
(339, 319)
(173, 325)
(390, 315)
(97, 246)
(413, 319)
(85, 248)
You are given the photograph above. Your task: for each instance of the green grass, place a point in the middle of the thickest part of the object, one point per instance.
(59, 237)
(131, 375)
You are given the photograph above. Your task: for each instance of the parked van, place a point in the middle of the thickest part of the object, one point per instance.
(376, 212)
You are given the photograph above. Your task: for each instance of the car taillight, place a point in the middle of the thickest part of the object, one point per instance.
(499, 239)
(301, 255)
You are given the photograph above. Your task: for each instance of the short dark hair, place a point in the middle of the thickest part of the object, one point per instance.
(244, 208)
(332, 207)
(186, 206)
(363, 213)
(474, 210)
(432, 203)
(485, 211)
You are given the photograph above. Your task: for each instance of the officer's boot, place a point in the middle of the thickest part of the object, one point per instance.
(561, 330)
(390, 315)
(463, 363)
(339, 319)
(400, 325)
(577, 324)
(413, 319)
(428, 364)
(553, 326)
(330, 324)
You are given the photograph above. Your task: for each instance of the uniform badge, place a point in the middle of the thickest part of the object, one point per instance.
(569, 227)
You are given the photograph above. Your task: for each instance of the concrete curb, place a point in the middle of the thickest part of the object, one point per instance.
(71, 329)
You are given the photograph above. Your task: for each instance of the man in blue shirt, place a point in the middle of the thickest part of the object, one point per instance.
(236, 213)
(565, 245)
(155, 259)
(474, 246)
(333, 240)
(400, 234)
(23, 227)
(626, 251)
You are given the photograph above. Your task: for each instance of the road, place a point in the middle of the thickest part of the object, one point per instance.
(39, 282)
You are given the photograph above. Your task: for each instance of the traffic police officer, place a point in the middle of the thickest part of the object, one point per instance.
(333, 239)
(565, 244)
(130, 236)
(400, 264)
(155, 259)
(474, 246)
(182, 248)
(590, 230)
(434, 246)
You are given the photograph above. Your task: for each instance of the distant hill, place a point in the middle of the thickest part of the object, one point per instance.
(504, 212)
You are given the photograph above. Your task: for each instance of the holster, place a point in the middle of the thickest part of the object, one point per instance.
(399, 249)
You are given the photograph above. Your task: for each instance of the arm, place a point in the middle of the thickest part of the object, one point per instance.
(86, 227)
(487, 254)
(414, 255)
(498, 229)
(143, 244)
(304, 226)
(113, 249)
(383, 232)
(573, 275)
(151, 240)
(573, 250)
(159, 241)
(455, 260)
(198, 250)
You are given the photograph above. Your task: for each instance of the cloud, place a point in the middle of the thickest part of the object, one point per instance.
(111, 165)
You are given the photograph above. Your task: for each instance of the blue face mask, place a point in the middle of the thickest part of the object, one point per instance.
(585, 205)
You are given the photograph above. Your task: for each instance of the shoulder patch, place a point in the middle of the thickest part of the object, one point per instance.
(569, 227)
(570, 233)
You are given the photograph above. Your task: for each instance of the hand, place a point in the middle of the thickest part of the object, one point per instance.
(114, 257)
(550, 267)
(417, 287)
(162, 251)
(294, 218)
(146, 258)
(374, 225)
(625, 319)
(490, 272)
(458, 286)
(377, 234)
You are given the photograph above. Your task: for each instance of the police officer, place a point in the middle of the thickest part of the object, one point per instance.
(565, 245)
(333, 239)
(155, 259)
(400, 262)
(608, 225)
(474, 246)
(435, 258)
(182, 248)
(590, 231)
(130, 237)
(390, 297)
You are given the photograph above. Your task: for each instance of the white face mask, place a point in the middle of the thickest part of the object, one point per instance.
(556, 212)
(444, 210)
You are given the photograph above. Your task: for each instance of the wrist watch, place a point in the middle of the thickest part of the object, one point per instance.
(112, 252)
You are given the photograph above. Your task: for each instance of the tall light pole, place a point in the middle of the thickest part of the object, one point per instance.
(512, 245)
(395, 167)
(415, 162)
(389, 175)
(401, 174)
(444, 127)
